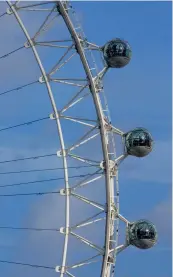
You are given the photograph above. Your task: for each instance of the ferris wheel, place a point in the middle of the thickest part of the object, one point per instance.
(86, 141)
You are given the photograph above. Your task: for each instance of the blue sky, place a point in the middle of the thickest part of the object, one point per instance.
(138, 95)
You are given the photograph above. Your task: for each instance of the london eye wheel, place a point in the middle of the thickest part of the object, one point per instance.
(87, 191)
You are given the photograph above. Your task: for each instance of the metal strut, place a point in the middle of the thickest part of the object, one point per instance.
(109, 230)
(13, 10)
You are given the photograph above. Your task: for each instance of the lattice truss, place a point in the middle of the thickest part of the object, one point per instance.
(74, 81)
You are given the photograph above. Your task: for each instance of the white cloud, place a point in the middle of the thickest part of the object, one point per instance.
(156, 167)
(162, 217)
(48, 212)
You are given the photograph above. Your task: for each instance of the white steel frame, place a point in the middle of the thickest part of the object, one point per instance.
(109, 166)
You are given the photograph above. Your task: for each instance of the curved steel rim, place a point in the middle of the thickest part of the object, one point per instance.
(105, 272)
(103, 133)
(67, 206)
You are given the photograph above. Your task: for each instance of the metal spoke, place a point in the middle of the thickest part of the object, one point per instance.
(83, 139)
(59, 130)
(69, 274)
(85, 182)
(89, 84)
(5, 13)
(86, 221)
(117, 131)
(57, 66)
(91, 222)
(53, 41)
(71, 103)
(79, 120)
(88, 201)
(51, 45)
(85, 262)
(61, 81)
(43, 25)
(37, 10)
(89, 243)
(84, 160)
(34, 5)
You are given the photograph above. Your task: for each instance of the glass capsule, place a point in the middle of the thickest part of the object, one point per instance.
(117, 53)
(138, 142)
(142, 234)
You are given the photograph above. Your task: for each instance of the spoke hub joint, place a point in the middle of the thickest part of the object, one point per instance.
(65, 192)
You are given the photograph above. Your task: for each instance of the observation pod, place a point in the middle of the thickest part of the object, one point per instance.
(138, 142)
(117, 53)
(142, 234)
